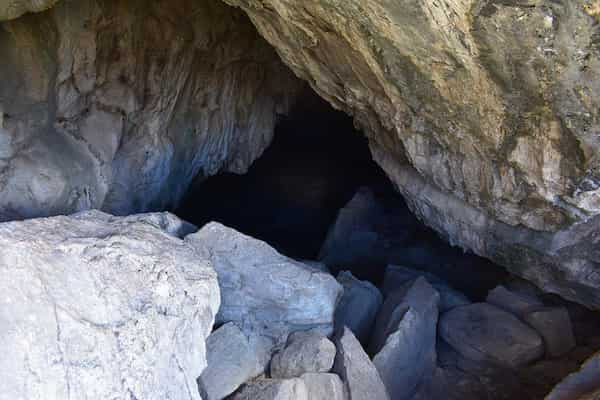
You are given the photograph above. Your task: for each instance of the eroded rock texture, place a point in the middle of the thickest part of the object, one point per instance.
(119, 105)
(484, 113)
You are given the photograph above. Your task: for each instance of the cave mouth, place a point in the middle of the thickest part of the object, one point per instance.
(292, 194)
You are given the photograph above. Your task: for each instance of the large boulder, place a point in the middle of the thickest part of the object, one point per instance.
(483, 332)
(554, 325)
(98, 307)
(353, 365)
(407, 360)
(263, 290)
(305, 351)
(324, 386)
(233, 358)
(516, 303)
(273, 389)
(581, 385)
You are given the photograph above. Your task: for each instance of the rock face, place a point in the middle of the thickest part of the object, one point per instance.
(324, 386)
(262, 290)
(483, 113)
(306, 351)
(99, 307)
(110, 105)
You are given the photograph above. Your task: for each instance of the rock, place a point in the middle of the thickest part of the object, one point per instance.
(554, 325)
(483, 332)
(273, 389)
(122, 109)
(581, 385)
(233, 359)
(100, 307)
(316, 265)
(352, 364)
(324, 386)
(305, 351)
(407, 360)
(263, 290)
(396, 276)
(518, 304)
(358, 307)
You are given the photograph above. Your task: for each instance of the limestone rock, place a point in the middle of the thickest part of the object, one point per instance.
(518, 304)
(10, 9)
(324, 386)
(407, 360)
(358, 307)
(232, 359)
(554, 325)
(99, 307)
(273, 389)
(113, 106)
(305, 351)
(352, 364)
(581, 385)
(483, 332)
(264, 290)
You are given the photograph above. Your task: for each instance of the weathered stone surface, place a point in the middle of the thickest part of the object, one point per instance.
(407, 360)
(358, 307)
(10, 9)
(98, 307)
(397, 276)
(324, 386)
(581, 385)
(554, 325)
(483, 332)
(232, 359)
(305, 351)
(515, 303)
(264, 290)
(273, 389)
(484, 114)
(114, 106)
(352, 364)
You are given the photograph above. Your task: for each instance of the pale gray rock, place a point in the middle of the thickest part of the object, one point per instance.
(517, 303)
(321, 386)
(407, 360)
(581, 385)
(358, 307)
(10, 9)
(396, 276)
(273, 389)
(305, 351)
(483, 332)
(353, 365)
(554, 325)
(264, 290)
(98, 307)
(232, 359)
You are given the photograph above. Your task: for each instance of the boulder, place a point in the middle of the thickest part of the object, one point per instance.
(396, 276)
(101, 307)
(581, 385)
(273, 389)
(232, 359)
(305, 351)
(352, 364)
(407, 360)
(483, 332)
(554, 325)
(517, 303)
(358, 306)
(263, 290)
(324, 386)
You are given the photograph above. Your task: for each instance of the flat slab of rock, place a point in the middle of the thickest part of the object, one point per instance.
(408, 358)
(581, 385)
(517, 303)
(101, 307)
(273, 389)
(262, 289)
(358, 307)
(483, 332)
(308, 351)
(353, 365)
(554, 325)
(233, 359)
(324, 386)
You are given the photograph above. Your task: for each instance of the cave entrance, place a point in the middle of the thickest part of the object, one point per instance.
(292, 194)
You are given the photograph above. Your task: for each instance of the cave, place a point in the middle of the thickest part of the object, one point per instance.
(257, 199)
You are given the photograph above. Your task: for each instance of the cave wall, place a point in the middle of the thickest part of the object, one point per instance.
(119, 105)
